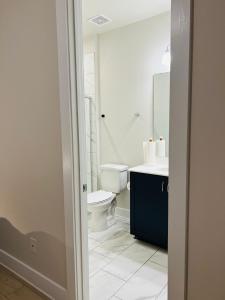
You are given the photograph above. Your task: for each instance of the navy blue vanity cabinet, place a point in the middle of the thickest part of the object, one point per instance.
(149, 208)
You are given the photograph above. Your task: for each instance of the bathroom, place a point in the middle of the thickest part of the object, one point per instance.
(126, 83)
(46, 221)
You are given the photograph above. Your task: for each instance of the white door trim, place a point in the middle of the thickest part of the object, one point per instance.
(181, 42)
(72, 123)
(73, 145)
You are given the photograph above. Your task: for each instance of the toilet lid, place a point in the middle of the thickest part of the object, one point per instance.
(98, 197)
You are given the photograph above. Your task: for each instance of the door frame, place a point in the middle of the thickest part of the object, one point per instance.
(70, 53)
(70, 61)
(180, 114)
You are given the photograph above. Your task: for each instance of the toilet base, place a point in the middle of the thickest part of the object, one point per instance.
(99, 220)
(102, 216)
(111, 220)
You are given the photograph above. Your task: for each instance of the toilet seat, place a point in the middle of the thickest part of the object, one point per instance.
(99, 197)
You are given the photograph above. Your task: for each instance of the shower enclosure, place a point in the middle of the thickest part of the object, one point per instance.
(91, 121)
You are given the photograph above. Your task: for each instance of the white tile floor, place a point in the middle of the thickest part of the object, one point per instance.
(122, 268)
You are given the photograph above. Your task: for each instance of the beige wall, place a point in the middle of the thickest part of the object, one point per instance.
(31, 179)
(206, 258)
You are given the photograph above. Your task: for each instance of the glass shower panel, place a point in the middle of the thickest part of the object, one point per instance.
(91, 121)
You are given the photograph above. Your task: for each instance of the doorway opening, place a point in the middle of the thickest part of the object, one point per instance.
(126, 50)
(74, 104)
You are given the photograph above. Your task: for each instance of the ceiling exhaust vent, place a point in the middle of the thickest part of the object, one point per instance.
(100, 20)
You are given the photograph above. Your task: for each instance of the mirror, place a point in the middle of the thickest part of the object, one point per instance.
(161, 103)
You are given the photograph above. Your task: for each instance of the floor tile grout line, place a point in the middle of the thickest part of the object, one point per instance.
(158, 264)
(126, 281)
(111, 259)
(127, 249)
(101, 267)
(94, 240)
(101, 242)
(115, 258)
(113, 275)
(161, 290)
(151, 257)
(115, 297)
(119, 253)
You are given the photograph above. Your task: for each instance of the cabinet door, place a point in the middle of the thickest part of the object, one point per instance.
(149, 206)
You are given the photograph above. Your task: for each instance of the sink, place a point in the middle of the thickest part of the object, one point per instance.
(152, 169)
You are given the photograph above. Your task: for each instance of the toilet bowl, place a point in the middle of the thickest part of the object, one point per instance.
(101, 204)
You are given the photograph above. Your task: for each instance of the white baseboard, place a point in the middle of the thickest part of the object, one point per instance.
(123, 214)
(40, 282)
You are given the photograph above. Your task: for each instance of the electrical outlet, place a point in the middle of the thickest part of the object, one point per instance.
(33, 245)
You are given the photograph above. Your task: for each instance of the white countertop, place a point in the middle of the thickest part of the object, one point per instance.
(156, 169)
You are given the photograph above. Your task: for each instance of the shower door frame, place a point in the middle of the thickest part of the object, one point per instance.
(70, 50)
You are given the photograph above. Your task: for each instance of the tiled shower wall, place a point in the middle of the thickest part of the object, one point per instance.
(91, 121)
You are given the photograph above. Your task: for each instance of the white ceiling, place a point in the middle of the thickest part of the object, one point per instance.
(121, 12)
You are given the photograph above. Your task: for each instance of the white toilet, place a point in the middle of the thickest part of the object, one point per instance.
(102, 203)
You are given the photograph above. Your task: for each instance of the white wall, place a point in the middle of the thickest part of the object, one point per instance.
(128, 59)
(31, 175)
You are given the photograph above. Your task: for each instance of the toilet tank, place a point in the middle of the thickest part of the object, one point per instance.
(114, 177)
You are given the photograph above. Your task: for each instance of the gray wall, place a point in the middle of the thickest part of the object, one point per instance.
(31, 178)
(206, 257)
